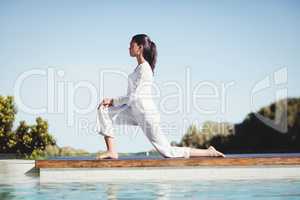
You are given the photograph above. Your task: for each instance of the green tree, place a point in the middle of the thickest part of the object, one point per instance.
(26, 138)
(252, 135)
(7, 117)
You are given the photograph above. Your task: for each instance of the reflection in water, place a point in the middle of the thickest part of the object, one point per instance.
(236, 190)
(164, 191)
(111, 191)
(7, 192)
(159, 191)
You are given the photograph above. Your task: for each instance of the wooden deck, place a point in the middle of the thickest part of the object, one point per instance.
(230, 160)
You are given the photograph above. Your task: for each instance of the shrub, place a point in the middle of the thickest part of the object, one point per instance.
(26, 139)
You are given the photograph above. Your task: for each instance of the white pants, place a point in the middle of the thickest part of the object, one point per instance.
(107, 117)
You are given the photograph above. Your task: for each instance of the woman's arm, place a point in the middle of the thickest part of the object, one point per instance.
(120, 100)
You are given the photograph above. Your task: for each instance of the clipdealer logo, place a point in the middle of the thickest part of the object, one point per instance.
(276, 81)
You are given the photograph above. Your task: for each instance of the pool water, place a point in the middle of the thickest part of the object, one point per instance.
(252, 189)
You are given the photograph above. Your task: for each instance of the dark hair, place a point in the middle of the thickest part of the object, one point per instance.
(149, 48)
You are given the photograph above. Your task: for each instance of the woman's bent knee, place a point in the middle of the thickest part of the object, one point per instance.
(101, 108)
(104, 134)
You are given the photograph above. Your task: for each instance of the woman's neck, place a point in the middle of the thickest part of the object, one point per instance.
(140, 59)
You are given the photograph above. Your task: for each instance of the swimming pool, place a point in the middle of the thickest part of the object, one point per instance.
(262, 189)
(15, 185)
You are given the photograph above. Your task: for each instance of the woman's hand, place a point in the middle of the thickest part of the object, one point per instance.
(106, 102)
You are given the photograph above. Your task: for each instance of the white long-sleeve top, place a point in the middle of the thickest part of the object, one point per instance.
(139, 87)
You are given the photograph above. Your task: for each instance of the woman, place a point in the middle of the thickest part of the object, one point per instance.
(137, 107)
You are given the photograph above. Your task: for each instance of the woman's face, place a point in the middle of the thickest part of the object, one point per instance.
(134, 49)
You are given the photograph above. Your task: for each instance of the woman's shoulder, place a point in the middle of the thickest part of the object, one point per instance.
(145, 66)
(142, 69)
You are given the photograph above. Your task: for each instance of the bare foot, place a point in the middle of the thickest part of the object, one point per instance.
(107, 155)
(214, 152)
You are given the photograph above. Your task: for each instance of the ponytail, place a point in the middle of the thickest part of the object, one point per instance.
(153, 55)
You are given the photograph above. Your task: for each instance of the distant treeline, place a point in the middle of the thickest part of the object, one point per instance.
(260, 132)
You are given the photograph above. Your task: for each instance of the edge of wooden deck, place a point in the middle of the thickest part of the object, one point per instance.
(169, 162)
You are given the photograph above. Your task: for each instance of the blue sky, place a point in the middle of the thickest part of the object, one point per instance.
(220, 42)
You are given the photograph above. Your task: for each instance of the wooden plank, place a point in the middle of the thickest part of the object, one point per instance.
(171, 162)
